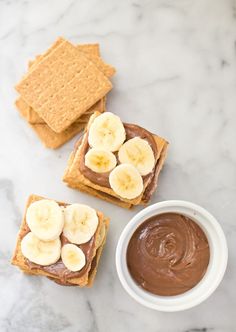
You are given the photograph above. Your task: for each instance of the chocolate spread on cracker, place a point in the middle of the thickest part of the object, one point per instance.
(168, 254)
(58, 269)
(102, 179)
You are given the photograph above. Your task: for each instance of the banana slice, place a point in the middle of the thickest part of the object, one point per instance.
(126, 181)
(45, 219)
(138, 153)
(73, 257)
(107, 132)
(40, 252)
(81, 222)
(100, 161)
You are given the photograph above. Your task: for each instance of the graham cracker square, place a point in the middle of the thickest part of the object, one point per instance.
(75, 179)
(48, 137)
(90, 50)
(63, 86)
(87, 278)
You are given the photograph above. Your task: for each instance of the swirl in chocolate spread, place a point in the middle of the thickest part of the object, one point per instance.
(58, 269)
(168, 254)
(132, 131)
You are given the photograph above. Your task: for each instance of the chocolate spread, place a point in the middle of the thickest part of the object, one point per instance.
(67, 283)
(102, 179)
(168, 254)
(59, 269)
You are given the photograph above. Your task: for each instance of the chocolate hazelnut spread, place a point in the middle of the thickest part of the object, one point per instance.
(132, 131)
(67, 283)
(168, 254)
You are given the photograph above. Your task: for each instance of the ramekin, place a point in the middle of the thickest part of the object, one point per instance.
(213, 275)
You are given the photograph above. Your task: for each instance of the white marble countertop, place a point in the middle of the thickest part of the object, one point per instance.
(176, 76)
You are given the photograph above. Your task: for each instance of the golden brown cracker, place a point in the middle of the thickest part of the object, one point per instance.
(38, 58)
(99, 194)
(54, 140)
(93, 273)
(107, 70)
(63, 86)
(48, 137)
(160, 163)
(90, 50)
(33, 118)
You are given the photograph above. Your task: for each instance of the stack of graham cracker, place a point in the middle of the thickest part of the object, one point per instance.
(62, 89)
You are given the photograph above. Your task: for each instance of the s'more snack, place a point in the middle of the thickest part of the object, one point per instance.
(61, 90)
(60, 241)
(115, 161)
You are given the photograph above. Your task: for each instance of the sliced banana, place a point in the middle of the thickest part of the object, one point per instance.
(107, 132)
(73, 257)
(40, 252)
(137, 152)
(81, 222)
(100, 161)
(126, 181)
(45, 219)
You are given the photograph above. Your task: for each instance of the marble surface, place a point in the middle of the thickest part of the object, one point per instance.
(176, 76)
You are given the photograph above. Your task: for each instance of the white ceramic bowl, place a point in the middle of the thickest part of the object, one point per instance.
(215, 270)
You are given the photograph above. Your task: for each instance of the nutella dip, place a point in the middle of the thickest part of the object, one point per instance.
(168, 254)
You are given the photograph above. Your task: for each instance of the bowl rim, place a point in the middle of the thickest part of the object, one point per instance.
(217, 264)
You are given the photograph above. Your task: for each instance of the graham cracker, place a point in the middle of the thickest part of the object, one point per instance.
(19, 260)
(99, 194)
(91, 51)
(38, 58)
(33, 117)
(97, 258)
(74, 178)
(107, 70)
(48, 137)
(159, 165)
(63, 85)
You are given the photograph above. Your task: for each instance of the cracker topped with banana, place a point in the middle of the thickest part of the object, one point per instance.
(116, 161)
(61, 241)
